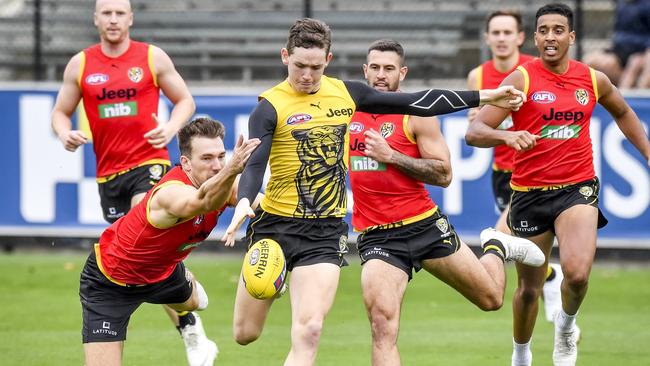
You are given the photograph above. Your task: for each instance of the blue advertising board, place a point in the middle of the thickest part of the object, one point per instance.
(48, 191)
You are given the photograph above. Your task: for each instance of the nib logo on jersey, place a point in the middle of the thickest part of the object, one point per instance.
(366, 164)
(562, 132)
(122, 109)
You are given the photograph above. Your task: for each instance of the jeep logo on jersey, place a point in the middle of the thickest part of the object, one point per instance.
(387, 129)
(563, 116)
(543, 97)
(135, 74)
(340, 112)
(299, 118)
(96, 79)
(366, 164)
(561, 132)
(356, 127)
(119, 93)
(118, 110)
(582, 96)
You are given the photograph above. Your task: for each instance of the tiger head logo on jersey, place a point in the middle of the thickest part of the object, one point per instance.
(387, 129)
(135, 74)
(320, 180)
(582, 96)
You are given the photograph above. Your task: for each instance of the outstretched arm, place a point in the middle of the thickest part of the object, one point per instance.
(174, 202)
(625, 117)
(430, 102)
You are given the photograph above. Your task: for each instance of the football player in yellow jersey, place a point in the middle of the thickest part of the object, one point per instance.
(302, 123)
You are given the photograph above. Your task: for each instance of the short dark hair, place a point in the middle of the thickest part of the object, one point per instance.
(309, 33)
(556, 8)
(199, 127)
(387, 45)
(507, 13)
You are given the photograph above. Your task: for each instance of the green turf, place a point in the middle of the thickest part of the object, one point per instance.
(41, 320)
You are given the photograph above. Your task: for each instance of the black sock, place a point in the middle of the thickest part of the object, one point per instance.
(185, 320)
(495, 247)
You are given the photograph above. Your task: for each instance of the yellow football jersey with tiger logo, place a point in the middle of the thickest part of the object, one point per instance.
(309, 152)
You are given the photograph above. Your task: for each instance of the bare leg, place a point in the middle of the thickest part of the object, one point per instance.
(312, 290)
(103, 353)
(383, 290)
(502, 222)
(632, 71)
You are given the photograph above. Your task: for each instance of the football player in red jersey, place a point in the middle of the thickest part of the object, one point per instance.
(402, 229)
(139, 257)
(119, 82)
(554, 182)
(504, 35)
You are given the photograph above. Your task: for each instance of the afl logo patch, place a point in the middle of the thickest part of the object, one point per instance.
(135, 74)
(356, 127)
(387, 129)
(299, 118)
(96, 79)
(543, 97)
(582, 96)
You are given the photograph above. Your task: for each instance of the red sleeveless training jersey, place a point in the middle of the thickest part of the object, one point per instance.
(119, 96)
(559, 110)
(133, 251)
(384, 195)
(490, 78)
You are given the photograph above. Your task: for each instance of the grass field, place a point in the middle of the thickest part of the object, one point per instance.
(42, 320)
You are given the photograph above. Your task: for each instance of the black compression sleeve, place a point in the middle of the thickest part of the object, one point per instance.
(424, 103)
(261, 124)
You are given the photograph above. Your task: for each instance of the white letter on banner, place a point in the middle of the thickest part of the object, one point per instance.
(43, 161)
(470, 168)
(630, 169)
(596, 142)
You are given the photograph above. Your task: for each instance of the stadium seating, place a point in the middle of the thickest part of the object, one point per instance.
(239, 40)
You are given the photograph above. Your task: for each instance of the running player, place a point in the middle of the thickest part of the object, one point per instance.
(119, 81)
(303, 123)
(555, 186)
(504, 35)
(139, 257)
(402, 229)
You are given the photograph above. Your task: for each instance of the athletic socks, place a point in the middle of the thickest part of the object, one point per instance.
(521, 354)
(564, 322)
(494, 246)
(185, 318)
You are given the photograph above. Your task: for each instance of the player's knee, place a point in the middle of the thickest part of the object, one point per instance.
(383, 323)
(528, 294)
(310, 331)
(245, 335)
(491, 302)
(576, 279)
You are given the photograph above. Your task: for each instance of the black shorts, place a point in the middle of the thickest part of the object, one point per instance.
(501, 188)
(405, 247)
(534, 212)
(116, 193)
(106, 307)
(303, 241)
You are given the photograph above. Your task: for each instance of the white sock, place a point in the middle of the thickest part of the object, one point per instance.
(564, 321)
(203, 296)
(521, 354)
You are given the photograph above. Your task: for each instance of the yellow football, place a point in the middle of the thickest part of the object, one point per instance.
(264, 269)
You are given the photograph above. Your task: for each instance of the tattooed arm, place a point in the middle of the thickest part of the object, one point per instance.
(433, 167)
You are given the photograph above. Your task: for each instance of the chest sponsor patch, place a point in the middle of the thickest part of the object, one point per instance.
(563, 132)
(113, 110)
(366, 164)
(96, 79)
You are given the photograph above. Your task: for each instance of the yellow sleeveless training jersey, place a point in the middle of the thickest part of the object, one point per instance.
(309, 152)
